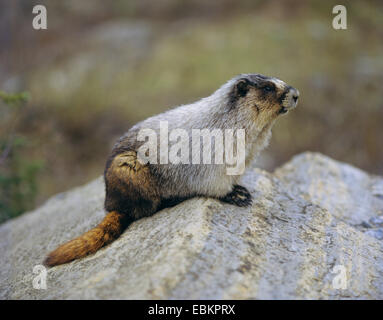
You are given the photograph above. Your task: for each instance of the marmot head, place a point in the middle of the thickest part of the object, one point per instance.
(263, 97)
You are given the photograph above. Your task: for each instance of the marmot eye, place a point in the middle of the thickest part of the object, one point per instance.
(268, 88)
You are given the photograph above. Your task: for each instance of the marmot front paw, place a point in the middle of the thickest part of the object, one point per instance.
(240, 197)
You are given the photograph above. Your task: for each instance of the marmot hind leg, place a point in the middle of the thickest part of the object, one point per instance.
(130, 187)
(239, 196)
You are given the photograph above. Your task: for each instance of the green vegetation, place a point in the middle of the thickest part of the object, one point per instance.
(18, 175)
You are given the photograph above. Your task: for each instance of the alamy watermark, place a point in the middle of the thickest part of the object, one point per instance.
(40, 281)
(339, 22)
(40, 21)
(340, 280)
(177, 147)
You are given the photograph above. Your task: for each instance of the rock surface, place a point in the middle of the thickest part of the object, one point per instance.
(309, 234)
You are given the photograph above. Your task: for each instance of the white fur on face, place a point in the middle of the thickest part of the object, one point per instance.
(279, 83)
(288, 102)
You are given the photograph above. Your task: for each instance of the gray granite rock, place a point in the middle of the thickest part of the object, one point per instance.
(300, 239)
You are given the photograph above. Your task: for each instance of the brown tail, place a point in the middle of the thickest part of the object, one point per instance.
(108, 230)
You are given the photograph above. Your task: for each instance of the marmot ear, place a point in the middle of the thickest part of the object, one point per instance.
(242, 87)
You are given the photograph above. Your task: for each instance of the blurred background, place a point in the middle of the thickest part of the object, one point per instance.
(67, 93)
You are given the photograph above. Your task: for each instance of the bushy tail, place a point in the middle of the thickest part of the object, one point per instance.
(107, 231)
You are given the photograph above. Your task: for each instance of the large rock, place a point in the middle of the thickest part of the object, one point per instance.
(312, 232)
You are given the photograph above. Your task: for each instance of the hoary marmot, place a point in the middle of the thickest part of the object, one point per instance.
(135, 189)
